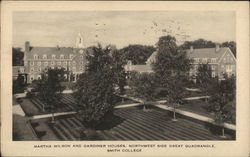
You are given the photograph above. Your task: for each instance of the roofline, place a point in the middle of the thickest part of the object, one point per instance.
(230, 52)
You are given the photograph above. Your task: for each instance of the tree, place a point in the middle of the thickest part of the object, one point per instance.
(50, 89)
(204, 78)
(222, 102)
(143, 86)
(17, 57)
(18, 84)
(118, 69)
(171, 68)
(94, 89)
(138, 54)
(200, 43)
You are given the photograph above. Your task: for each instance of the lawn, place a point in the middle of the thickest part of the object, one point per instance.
(133, 124)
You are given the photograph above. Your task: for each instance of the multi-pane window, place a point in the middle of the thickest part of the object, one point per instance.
(35, 56)
(45, 63)
(39, 69)
(213, 60)
(44, 56)
(22, 70)
(39, 77)
(53, 56)
(61, 56)
(31, 77)
(204, 60)
(213, 67)
(213, 74)
(31, 69)
(39, 63)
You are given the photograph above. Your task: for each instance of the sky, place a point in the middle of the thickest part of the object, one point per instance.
(120, 28)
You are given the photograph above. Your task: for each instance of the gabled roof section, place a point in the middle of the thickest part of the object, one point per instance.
(206, 53)
(66, 51)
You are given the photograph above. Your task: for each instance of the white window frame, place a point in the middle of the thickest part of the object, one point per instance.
(44, 56)
(61, 56)
(46, 63)
(35, 56)
(32, 69)
(53, 56)
(39, 63)
(213, 60)
(213, 74)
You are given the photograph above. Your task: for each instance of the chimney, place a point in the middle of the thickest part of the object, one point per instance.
(217, 47)
(27, 46)
(191, 49)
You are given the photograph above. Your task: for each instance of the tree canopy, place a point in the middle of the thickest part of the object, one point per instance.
(94, 89)
(49, 87)
(171, 68)
(138, 54)
(17, 57)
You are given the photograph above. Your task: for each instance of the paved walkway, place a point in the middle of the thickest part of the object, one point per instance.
(186, 113)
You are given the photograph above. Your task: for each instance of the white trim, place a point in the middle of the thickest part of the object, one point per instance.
(230, 52)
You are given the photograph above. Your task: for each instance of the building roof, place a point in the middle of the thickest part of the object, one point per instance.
(66, 51)
(198, 53)
(139, 68)
(206, 52)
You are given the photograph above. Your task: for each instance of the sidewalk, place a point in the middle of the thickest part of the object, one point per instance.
(182, 112)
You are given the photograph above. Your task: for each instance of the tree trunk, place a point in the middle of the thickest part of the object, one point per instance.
(174, 118)
(223, 132)
(53, 118)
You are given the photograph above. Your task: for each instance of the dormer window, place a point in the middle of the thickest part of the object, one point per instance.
(204, 60)
(44, 56)
(61, 56)
(35, 56)
(53, 56)
(213, 60)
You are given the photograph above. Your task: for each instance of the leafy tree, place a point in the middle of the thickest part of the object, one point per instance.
(138, 54)
(200, 43)
(94, 89)
(17, 57)
(143, 86)
(222, 102)
(204, 78)
(49, 88)
(231, 45)
(118, 69)
(171, 68)
(18, 84)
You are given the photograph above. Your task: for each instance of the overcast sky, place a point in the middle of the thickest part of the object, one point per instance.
(120, 28)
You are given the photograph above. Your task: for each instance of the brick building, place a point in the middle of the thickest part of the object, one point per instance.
(38, 59)
(221, 60)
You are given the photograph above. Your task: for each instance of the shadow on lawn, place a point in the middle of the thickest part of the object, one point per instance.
(110, 121)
